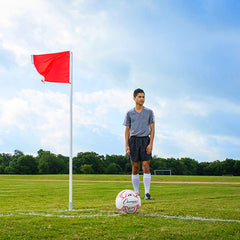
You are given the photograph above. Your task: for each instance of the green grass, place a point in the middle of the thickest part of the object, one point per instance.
(99, 177)
(96, 216)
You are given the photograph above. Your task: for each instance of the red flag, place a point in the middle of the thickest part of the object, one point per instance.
(54, 67)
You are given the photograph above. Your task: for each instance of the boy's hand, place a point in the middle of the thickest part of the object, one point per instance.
(149, 149)
(128, 150)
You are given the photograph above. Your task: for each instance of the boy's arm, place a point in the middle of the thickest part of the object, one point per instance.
(150, 146)
(127, 134)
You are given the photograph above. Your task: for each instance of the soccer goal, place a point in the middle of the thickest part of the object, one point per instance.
(162, 172)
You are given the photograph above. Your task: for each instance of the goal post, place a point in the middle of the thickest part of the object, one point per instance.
(159, 170)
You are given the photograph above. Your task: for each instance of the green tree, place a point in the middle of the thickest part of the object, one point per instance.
(49, 163)
(158, 164)
(13, 167)
(86, 169)
(113, 168)
(202, 168)
(6, 159)
(228, 166)
(1, 165)
(17, 154)
(128, 168)
(27, 164)
(214, 168)
(237, 168)
(90, 162)
(90, 158)
(120, 160)
(10, 170)
(65, 164)
(190, 166)
(43, 166)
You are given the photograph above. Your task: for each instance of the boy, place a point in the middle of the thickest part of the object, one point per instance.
(139, 135)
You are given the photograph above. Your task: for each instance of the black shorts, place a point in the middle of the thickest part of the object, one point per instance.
(138, 149)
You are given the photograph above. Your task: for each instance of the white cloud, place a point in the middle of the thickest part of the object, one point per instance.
(185, 143)
(46, 114)
(40, 26)
(176, 136)
(13, 112)
(196, 145)
(119, 46)
(199, 107)
(235, 141)
(13, 25)
(96, 106)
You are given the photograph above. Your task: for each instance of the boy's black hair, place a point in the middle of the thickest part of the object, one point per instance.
(137, 91)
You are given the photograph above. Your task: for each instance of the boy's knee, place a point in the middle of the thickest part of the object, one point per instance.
(146, 166)
(135, 168)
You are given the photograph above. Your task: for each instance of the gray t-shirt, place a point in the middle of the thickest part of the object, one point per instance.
(139, 123)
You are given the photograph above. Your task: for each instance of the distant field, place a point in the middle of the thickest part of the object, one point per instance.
(183, 207)
(99, 177)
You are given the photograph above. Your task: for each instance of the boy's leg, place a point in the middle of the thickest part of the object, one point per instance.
(135, 176)
(146, 178)
(147, 182)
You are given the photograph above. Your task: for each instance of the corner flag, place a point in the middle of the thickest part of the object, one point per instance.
(54, 67)
(57, 67)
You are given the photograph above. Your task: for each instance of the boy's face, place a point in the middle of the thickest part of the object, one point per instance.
(139, 99)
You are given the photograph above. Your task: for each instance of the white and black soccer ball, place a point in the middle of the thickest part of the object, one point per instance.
(127, 201)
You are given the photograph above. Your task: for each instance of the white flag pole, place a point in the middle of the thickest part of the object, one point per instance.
(70, 150)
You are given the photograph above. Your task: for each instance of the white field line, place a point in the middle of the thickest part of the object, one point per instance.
(114, 215)
(117, 181)
(192, 218)
(56, 215)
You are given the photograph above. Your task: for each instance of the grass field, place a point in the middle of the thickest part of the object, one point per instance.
(183, 207)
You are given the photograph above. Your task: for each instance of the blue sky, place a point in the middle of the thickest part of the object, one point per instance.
(184, 54)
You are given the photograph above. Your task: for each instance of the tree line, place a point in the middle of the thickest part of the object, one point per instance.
(92, 163)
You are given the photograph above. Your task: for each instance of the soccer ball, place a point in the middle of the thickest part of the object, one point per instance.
(127, 201)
